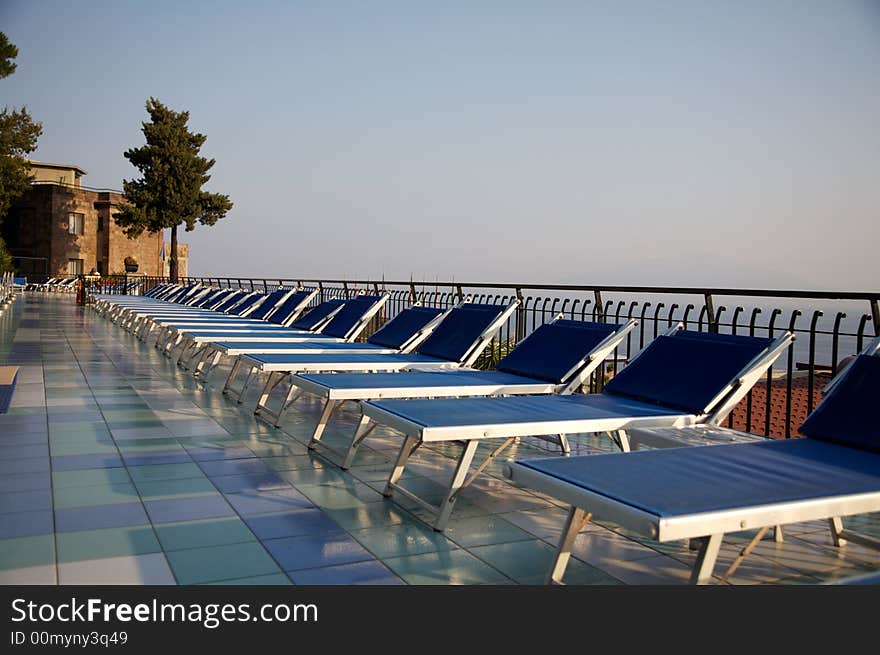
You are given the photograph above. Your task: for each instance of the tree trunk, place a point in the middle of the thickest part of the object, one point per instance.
(172, 262)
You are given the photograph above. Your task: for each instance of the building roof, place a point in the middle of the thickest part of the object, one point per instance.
(67, 167)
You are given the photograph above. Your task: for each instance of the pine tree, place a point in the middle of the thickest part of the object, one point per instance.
(18, 138)
(169, 193)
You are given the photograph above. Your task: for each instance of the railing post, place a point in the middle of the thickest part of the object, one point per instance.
(600, 306)
(875, 316)
(412, 293)
(710, 312)
(520, 316)
(345, 289)
(321, 291)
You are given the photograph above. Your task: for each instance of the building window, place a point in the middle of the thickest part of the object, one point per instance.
(101, 270)
(74, 267)
(75, 223)
(100, 223)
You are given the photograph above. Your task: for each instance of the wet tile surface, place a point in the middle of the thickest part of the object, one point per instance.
(116, 467)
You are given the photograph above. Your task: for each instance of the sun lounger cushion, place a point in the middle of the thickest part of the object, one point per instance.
(246, 304)
(675, 481)
(848, 414)
(686, 371)
(457, 332)
(402, 327)
(8, 378)
(552, 350)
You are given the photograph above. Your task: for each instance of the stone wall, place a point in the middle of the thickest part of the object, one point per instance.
(38, 226)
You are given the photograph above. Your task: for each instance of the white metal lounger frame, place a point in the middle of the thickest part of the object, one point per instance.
(293, 393)
(190, 345)
(471, 436)
(202, 358)
(574, 378)
(229, 387)
(691, 527)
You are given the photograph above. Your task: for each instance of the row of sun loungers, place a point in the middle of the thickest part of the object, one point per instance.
(415, 375)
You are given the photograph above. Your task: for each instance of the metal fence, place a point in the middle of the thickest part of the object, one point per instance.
(828, 325)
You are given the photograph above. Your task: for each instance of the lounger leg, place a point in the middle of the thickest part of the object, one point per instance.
(329, 407)
(364, 428)
(292, 395)
(410, 445)
(744, 553)
(236, 367)
(204, 368)
(262, 404)
(702, 572)
(836, 525)
(458, 482)
(577, 519)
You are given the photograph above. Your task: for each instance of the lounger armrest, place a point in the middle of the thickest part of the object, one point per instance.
(724, 403)
(596, 357)
(489, 333)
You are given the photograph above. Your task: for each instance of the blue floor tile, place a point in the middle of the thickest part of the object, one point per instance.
(311, 551)
(187, 509)
(100, 516)
(264, 502)
(233, 467)
(249, 482)
(29, 465)
(25, 482)
(359, 573)
(170, 457)
(71, 462)
(25, 524)
(291, 524)
(21, 501)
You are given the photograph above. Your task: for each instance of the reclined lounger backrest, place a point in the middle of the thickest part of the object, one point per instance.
(456, 335)
(289, 307)
(686, 370)
(397, 332)
(247, 305)
(351, 315)
(231, 300)
(553, 352)
(277, 296)
(847, 416)
(316, 317)
(211, 299)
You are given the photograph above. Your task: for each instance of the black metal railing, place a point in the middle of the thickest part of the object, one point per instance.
(828, 325)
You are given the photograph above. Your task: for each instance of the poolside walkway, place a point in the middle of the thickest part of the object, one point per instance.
(117, 468)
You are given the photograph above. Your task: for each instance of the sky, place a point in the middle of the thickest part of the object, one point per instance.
(681, 143)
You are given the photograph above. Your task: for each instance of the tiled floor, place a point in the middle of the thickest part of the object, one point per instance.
(118, 468)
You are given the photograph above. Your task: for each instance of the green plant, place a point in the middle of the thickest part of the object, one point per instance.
(494, 353)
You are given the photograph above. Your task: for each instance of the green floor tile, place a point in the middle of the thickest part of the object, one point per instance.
(319, 474)
(484, 530)
(80, 429)
(152, 472)
(369, 515)
(153, 490)
(196, 534)
(443, 568)
(109, 542)
(27, 551)
(229, 562)
(89, 477)
(288, 463)
(92, 495)
(353, 494)
(529, 562)
(403, 539)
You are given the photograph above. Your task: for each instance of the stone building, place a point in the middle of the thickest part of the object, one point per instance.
(59, 227)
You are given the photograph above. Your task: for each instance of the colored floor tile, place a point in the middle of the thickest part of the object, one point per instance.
(196, 534)
(310, 551)
(227, 562)
(107, 542)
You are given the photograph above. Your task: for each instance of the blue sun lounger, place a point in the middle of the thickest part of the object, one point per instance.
(703, 493)
(331, 320)
(279, 308)
(399, 335)
(680, 378)
(456, 341)
(558, 357)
